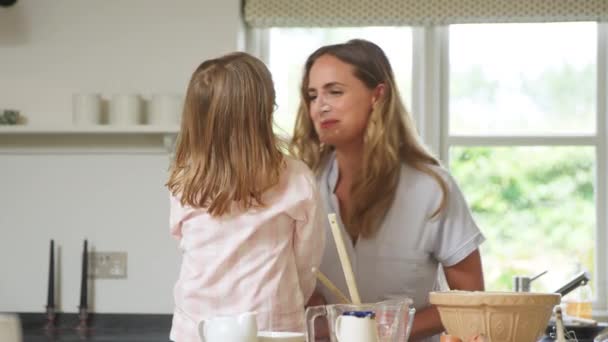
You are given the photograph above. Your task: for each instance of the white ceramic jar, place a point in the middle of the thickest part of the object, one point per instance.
(125, 110)
(10, 328)
(165, 109)
(86, 109)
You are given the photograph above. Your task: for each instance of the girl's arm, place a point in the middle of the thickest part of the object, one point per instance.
(309, 242)
(465, 275)
(176, 213)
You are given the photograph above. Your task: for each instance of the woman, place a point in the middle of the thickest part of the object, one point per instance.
(403, 212)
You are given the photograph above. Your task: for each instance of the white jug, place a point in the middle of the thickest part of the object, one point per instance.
(356, 329)
(240, 328)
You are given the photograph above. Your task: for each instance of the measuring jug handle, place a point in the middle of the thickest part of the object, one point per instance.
(410, 321)
(201, 330)
(312, 313)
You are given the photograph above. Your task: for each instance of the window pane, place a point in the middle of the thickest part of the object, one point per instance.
(535, 206)
(518, 79)
(289, 48)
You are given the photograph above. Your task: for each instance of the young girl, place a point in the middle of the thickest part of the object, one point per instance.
(247, 217)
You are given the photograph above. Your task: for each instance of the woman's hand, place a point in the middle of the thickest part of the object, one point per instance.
(450, 338)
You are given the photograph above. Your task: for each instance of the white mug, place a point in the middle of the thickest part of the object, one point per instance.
(356, 329)
(125, 110)
(86, 109)
(165, 109)
(10, 328)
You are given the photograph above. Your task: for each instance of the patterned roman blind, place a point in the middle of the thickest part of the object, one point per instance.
(328, 13)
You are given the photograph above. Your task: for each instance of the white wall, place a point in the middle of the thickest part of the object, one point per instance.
(48, 51)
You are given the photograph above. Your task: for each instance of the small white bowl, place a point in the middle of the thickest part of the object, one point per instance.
(283, 336)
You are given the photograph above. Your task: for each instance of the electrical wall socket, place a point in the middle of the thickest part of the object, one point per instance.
(110, 265)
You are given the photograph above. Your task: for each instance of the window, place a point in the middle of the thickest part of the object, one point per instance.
(289, 48)
(522, 141)
(523, 79)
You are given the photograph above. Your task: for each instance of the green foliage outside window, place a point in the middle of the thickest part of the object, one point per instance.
(534, 204)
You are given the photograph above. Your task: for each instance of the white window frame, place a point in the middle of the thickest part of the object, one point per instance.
(430, 81)
(601, 254)
(433, 122)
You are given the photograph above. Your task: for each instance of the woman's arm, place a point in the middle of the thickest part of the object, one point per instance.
(316, 299)
(465, 275)
(426, 323)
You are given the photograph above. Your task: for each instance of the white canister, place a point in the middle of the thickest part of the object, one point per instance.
(10, 328)
(165, 109)
(86, 109)
(125, 110)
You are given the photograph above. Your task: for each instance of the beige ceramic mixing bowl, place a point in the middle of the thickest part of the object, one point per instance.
(501, 316)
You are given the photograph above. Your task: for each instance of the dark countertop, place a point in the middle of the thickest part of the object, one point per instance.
(105, 336)
(548, 339)
(111, 328)
(103, 327)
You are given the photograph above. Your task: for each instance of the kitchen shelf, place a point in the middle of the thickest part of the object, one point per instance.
(87, 139)
(73, 130)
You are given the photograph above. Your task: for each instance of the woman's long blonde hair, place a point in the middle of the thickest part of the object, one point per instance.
(226, 151)
(390, 138)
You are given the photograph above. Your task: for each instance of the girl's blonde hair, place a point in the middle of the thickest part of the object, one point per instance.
(226, 151)
(390, 138)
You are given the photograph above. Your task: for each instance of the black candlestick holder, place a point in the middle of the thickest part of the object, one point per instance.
(83, 320)
(51, 317)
